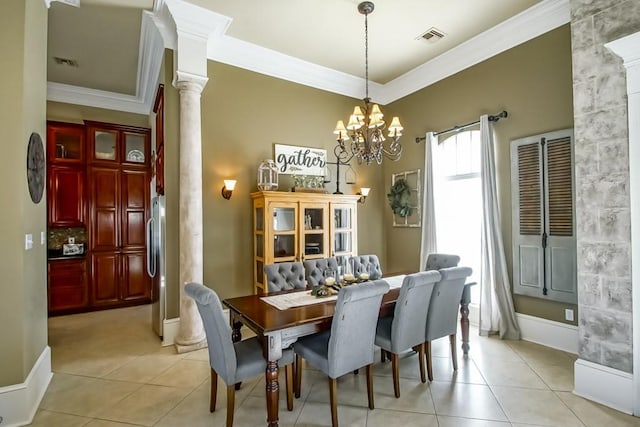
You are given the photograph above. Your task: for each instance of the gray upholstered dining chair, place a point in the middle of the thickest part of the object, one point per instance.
(349, 344)
(436, 261)
(284, 276)
(407, 327)
(234, 362)
(442, 317)
(314, 269)
(366, 264)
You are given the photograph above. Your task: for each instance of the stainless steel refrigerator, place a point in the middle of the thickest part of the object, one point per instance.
(156, 264)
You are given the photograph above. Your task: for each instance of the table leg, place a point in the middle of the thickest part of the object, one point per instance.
(236, 336)
(272, 392)
(464, 326)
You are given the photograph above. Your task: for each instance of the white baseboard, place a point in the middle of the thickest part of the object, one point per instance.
(170, 329)
(604, 385)
(560, 336)
(19, 402)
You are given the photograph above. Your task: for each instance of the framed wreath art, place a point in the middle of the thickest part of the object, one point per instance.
(404, 198)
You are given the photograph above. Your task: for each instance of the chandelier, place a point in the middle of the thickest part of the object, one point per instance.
(363, 137)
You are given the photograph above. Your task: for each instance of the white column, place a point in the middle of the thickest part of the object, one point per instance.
(628, 48)
(191, 334)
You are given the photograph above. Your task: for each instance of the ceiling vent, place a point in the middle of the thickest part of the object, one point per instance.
(66, 61)
(74, 3)
(432, 35)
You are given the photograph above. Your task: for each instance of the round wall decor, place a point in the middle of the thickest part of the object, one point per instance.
(36, 168)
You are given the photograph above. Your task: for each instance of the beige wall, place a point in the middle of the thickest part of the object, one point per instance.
(23, 308)
(71, 113)
(533, 83)
(243, 115)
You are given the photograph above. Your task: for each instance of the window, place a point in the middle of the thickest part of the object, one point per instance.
(458, 200)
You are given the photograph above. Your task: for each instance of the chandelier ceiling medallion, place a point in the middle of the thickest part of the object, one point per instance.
(363, 136)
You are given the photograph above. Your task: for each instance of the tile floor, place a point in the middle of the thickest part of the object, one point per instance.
(110, 370)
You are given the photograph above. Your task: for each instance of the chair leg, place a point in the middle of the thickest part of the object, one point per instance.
(428, 357)
(298, 383)
(454, 355)
(356, 372)
(382, 356)
(333, 392)
(421, 363)
(231, 398)
(288, 375)
(396, 374)
(214, 391)
(370, 386)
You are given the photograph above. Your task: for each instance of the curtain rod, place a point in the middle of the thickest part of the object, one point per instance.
(493, 118)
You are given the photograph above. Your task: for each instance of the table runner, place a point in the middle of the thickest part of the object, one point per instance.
(299, 299)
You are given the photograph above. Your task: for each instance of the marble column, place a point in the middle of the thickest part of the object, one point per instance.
(191, 334)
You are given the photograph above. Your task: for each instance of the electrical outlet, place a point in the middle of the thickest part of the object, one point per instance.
(568, 314)
(72, 240)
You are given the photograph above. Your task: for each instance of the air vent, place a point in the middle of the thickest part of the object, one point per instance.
(432, 35)
(66, 61)
(74, 3)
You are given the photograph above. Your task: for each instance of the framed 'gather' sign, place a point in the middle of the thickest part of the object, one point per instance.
(292, 160)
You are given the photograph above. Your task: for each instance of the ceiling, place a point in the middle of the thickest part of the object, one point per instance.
(103, 36)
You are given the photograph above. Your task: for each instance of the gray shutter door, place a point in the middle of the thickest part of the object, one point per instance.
(543, 216)
(527, 216)
(560, 263)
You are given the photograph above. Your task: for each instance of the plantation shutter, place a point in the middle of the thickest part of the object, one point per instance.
(544, 244)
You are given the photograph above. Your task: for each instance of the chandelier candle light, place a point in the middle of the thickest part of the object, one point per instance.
(363, 137)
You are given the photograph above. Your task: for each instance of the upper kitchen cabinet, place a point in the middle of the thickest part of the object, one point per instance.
(65, 143)
(118, 144)
(66, 170)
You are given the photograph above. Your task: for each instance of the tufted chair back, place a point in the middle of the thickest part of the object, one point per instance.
(361, 263)
(314, 269)
(437, 261)
(284, 276)
(445, 301)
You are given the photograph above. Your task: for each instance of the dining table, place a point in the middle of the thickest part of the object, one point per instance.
(279, 324)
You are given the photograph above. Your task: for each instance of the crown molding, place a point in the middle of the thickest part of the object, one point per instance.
(529, 24)
(96, 98)
(149, 60)
(171, 17)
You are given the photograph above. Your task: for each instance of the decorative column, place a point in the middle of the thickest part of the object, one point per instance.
(191, 332)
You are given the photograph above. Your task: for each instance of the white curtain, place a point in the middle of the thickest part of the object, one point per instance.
(428, 240)
(497, 314)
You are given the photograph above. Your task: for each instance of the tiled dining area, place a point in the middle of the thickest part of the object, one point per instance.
(110, 370)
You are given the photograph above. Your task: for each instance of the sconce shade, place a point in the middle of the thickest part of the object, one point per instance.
(365, 191)
(227, 189)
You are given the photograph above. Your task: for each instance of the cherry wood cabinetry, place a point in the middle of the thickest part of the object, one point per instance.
(158, 109)
(99, 178)
(67, 285)
(119, 179)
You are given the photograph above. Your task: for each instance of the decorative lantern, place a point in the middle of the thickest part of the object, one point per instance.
(267, 175)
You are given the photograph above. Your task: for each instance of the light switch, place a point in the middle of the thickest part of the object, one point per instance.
(28, 241)
(42, 237)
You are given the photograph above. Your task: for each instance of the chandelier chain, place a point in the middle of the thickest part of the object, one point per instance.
(366, 54)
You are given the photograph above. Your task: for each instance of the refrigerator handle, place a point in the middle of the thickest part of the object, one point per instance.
(151, 258)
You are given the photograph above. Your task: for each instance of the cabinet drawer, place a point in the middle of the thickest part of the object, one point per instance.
(67, 285)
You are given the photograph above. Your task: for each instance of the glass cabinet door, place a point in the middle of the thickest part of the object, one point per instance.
(284, 232)
(314, 224)
(135, 148)
(105, 145)
(343, 230)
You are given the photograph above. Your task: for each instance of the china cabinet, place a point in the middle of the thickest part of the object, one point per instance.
(298, 226)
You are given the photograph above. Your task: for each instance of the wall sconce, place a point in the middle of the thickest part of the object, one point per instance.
(364, 192)
(227, 189)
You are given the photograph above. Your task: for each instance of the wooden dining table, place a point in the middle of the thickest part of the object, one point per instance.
(278, 329)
